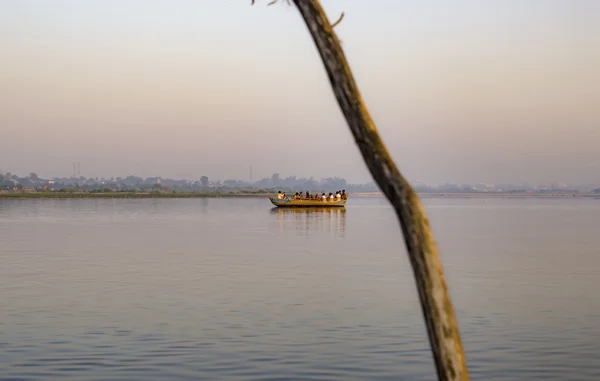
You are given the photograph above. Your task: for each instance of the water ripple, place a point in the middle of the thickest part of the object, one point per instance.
(226, 290)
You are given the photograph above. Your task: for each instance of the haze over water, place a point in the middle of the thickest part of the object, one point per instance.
(466, 92)
(228, 289)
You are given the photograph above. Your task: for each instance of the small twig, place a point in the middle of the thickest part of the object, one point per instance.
(438, 313)
(338, 20)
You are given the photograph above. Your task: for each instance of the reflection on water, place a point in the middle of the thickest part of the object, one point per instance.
(204, 205)
(224, 289)
(306, 220)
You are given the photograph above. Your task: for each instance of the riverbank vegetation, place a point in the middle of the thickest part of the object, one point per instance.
(133, 194)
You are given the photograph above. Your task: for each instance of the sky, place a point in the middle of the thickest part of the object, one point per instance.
(461, 91)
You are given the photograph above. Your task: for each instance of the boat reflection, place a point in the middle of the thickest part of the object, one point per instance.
(304, 220)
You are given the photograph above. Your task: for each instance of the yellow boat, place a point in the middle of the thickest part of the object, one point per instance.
(336, 210)
(306, 203)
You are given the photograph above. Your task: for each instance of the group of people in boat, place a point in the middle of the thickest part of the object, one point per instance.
(337, 196)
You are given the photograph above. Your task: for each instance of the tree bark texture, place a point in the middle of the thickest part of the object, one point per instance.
(438, 313)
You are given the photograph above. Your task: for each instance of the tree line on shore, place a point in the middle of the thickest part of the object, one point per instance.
(33, 183)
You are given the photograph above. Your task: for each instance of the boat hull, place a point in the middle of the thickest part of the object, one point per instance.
(306, 203)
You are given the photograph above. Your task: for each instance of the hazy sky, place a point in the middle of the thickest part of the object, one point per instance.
(462, 91)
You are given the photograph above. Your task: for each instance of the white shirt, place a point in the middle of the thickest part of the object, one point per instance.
(280, 196)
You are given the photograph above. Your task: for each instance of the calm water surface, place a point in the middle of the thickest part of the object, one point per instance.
(228, 289)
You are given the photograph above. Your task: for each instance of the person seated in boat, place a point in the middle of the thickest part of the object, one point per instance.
(307, 195)
(338, 196)
(331, 197)
(279, 195)
(344, 194)
(323, 197)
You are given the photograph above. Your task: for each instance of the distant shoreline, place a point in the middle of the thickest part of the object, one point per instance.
(130, 195)
(70, 195)
(489, 195)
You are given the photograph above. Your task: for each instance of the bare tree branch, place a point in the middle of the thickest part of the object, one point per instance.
(427, 269)
(338, 21)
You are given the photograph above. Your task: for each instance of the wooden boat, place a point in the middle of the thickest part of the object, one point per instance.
(306, 203)
(336, 210)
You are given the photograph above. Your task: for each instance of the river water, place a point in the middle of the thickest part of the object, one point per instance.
(229, 289)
